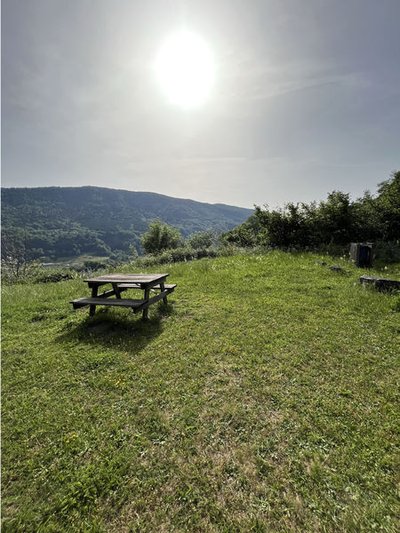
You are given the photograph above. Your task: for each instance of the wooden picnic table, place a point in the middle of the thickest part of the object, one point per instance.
(124, 282)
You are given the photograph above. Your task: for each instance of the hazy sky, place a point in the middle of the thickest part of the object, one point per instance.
(306, 98)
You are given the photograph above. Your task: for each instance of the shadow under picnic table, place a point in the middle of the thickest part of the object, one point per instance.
(117, 330)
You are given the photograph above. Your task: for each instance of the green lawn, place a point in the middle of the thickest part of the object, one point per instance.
(265, 398)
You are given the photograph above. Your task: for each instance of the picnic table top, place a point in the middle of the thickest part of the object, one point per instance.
(143, 279)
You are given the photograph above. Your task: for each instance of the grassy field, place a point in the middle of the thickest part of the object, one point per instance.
(265, 398)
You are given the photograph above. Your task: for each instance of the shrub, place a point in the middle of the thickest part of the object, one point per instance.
(14, 271)
(183, 253)
(55, 276)
(387, 252)
(34, 272)
(160, 237)
(246, 235)
(201, 239)
(93, 264)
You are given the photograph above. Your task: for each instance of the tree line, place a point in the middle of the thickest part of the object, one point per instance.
(336, 221)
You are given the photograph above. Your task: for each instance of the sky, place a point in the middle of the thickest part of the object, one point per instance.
(305, 99)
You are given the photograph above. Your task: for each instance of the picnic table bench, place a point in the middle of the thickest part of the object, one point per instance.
(121, 283)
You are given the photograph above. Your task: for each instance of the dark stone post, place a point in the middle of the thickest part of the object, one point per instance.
(361, 254)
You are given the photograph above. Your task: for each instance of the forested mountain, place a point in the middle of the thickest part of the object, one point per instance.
(59, 222)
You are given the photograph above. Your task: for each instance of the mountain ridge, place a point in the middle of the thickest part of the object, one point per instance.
(66, 187)
(68, 221)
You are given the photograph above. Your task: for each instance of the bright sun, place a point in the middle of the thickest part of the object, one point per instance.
(185, 69)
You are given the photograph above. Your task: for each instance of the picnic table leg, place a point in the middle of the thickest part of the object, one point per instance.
(162, 287)
(92, 309)
(145, 315)
(116, 290)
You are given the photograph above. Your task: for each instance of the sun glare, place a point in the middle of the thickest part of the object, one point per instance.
(185, 69)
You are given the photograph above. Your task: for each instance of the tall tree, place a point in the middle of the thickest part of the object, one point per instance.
(159, 237)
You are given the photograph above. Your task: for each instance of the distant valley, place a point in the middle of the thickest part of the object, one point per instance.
(55, 223)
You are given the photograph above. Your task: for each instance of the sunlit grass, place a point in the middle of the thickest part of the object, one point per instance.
(262, 398)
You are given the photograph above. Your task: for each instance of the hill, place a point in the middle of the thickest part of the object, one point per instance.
(264, 398)
(58, 222)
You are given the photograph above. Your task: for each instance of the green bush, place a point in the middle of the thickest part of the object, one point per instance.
(34, 272)
(181, 254)
(16, 271)
(201, 239)
(160, 237)
(246, 235)
(387, 252)
(56, 276)
(92, 264)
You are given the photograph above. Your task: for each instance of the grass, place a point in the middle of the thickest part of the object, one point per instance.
(265, 398)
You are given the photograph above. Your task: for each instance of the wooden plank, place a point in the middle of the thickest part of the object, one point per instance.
(154, 299)
(98, 284)
(109, 293)
(136, 286)
(162, 288)
(126, 278)
(79, 303)
(156, 282)
(116, 290)
(145, 308)
(105, 294)
(123, 302)
(92, 308)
